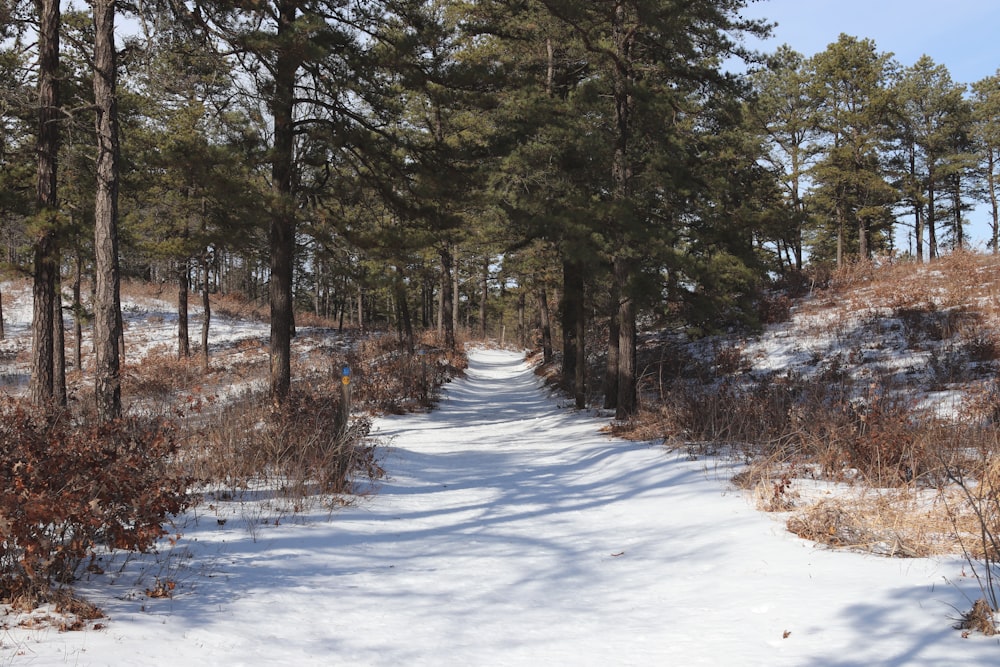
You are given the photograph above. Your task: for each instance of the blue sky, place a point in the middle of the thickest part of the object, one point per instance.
(962, 35)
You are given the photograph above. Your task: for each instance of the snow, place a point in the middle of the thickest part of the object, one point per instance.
(513, 531)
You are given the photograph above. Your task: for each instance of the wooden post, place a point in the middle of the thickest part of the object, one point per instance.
(423, 377)
(344, 416)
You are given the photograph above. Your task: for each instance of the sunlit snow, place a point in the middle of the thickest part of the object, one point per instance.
(512, 531)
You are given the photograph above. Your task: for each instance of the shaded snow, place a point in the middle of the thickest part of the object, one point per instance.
(510, 531)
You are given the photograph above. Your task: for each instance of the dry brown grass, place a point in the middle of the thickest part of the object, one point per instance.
(902, 480)
(389, 380)
(139, 290)
(162, 374)
(978, 619)
(230, 435)
(965, 280)
(296, 449)
(894, 522)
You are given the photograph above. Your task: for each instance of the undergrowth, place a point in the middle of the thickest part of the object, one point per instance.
(68, 489)
(912, 477)
(296, 448)
(72, 490)
(390, 380)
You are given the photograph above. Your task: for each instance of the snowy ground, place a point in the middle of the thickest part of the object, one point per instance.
(511, 531)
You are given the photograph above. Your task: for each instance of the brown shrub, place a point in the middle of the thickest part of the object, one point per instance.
(389, 380)
(829, 523)
(774, 308)
(238, 306)
(979, 619)
(162, 374)
(67, 488)
(298, 447)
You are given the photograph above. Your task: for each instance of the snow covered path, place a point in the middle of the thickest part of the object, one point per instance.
(511, 531)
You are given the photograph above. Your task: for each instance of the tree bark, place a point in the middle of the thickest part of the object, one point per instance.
(282, 230)
(485, 292)
(447, 298)
(521, 303)
(78, 314)
(206, 307)
(107, 305)
(956, 194)
(183, 339)
(46, 266)
(403, 308)
(918, 220)
(58, 342)
(991, 188)
(627, 403)
(611, 367)
(621, 177)
(545, 323)
(574, 349)
(931, 219)
(454, 297)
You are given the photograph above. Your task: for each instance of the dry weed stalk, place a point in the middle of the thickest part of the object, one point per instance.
(902, 522)
(978, 483)
(979, 619)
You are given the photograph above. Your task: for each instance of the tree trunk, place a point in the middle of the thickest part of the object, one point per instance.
(956, 194)
(43, 347)
(107, 305)
(58, 343)
(621, 177)
(442, 288)
(545, 322)
(611, 366)
(183, 339)
(45, 245)
(361, 309)
(627, 404)
(521, 330)
(918, 220)
(403, 308)
(454, 296)
(206, 307)
(580, 379)
(991, 183)
(840, 236)
(574, 352)
(426, 304)
(931, 220)
(282, 231)
(78, 314)
(485, 292)
(447, 297)
(317, 284)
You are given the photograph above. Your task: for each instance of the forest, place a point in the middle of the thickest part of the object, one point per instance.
(566, 176)
(499, 167)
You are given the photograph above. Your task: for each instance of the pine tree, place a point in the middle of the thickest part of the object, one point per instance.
(782, 111)
(647, 56)
(193, 194)
(46, 249)
(298, 57)
(986, 130)
(107, 299)
(851, 94)
(931, 108)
